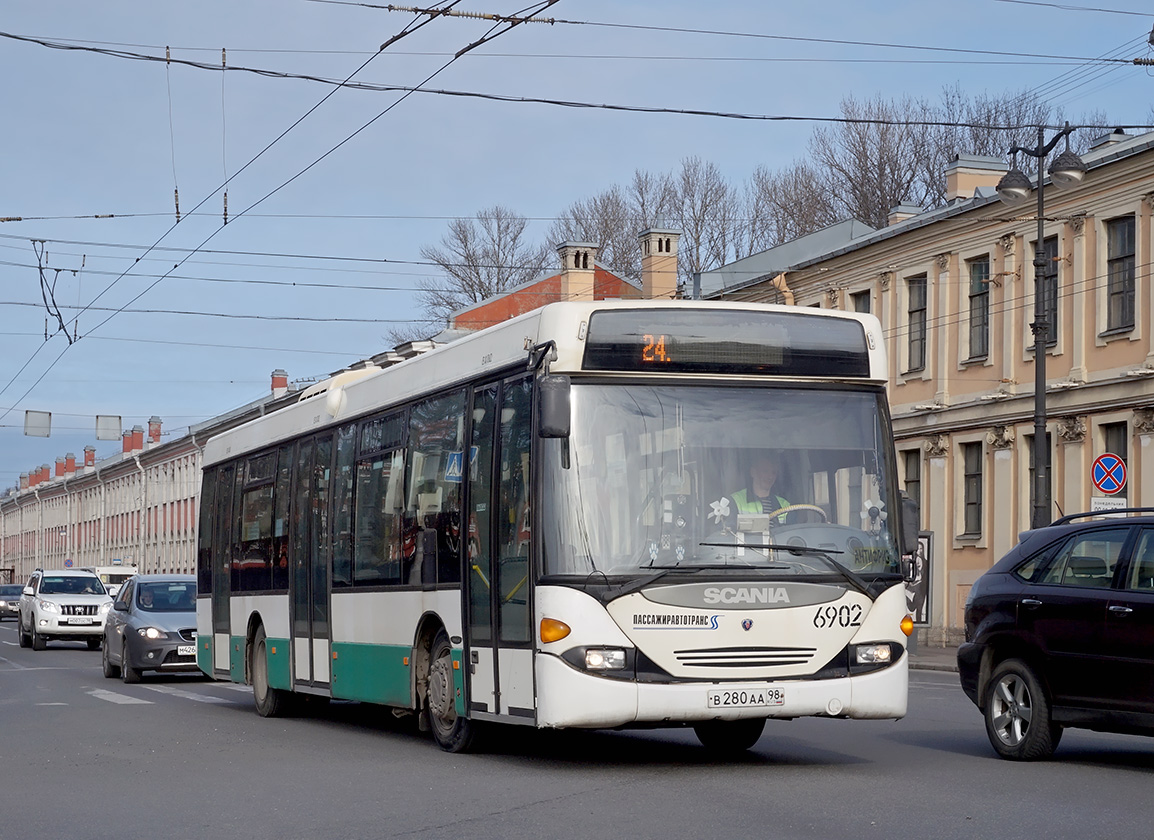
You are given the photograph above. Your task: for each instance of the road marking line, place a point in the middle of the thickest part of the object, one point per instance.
(187, 695)
(123, 699)
(236, 687)
(51, 704)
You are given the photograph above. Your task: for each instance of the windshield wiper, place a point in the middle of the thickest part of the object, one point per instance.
(854, 579)
(641, 583)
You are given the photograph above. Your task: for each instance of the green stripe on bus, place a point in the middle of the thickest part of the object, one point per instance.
(459, 681)
(204, 654)
(236, 651)
(279, 663)
(372, 673)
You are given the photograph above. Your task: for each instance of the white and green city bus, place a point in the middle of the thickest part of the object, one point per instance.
(540, 524)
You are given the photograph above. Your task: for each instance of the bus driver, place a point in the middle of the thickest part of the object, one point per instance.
(761, 495)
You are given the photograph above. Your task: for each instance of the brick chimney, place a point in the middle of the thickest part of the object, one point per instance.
(154, 429)
(659, 263)
(279, 383)
(137, 438)
(577, 268)
(23, 481)
(965, 173)
(45, 473)
(126, 441)
(70, 464)
(60, 467)
(89, 456)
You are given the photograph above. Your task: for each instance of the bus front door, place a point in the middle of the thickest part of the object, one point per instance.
(500, 639)
(311, 558)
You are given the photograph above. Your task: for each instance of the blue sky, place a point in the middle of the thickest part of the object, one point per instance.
(88, 135)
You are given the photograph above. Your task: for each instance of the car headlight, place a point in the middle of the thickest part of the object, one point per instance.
(48, 606)
(604, 659)
(105, 607)
(152, 633)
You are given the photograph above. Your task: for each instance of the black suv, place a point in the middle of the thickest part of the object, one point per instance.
(1060, 632)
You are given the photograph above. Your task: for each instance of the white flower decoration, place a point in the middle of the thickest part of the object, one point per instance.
(719, 510)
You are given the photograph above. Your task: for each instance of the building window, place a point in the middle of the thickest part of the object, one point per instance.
(972, 493)
(1120, 273)
(917, 321)
(913, 469)
(1047, 288)
(1114, 438)
(860, 301)
(1032, 473)
(979, 307)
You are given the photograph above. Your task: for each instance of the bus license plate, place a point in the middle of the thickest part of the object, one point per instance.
(186, 650)
(745, 697)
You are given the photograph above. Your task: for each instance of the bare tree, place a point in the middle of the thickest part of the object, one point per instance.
(784, 205)
(480, 257)
(708, 213)
(613, 218)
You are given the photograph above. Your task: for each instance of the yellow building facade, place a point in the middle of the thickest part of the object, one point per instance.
(955, 291)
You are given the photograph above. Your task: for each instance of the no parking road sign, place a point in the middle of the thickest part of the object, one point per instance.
(1109, 474)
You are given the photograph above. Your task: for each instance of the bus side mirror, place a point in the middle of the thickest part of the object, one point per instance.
(911, 523)
(553, 406)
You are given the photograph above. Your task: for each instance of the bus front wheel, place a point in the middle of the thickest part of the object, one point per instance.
(270, 702)
(452, 732)
(729, 736)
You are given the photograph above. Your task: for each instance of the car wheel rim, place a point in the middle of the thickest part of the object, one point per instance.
(1011, 710)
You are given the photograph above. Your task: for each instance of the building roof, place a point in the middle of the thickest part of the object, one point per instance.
(851, 235)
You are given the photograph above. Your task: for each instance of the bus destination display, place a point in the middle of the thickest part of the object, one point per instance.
(725, 341)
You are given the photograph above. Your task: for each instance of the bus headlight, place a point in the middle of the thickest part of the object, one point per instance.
(874, 654)
(604, 659)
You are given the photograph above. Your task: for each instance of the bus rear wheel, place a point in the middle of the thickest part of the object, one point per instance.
(270, 702)
(452, 732)
(729, 736)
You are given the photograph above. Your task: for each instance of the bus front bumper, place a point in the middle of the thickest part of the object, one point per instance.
(567, 697)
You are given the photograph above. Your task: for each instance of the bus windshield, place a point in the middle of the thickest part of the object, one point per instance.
(655, 477)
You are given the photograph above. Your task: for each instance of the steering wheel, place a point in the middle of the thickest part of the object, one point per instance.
(790, 508)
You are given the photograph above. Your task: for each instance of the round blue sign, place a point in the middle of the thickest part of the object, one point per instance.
(68, 564)
(1109, 474)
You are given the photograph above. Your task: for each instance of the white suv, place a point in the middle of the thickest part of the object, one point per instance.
(64, 604)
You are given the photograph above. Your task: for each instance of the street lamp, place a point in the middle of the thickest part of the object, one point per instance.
(1067, 170)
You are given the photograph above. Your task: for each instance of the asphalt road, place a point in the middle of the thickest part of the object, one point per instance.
(177, 757)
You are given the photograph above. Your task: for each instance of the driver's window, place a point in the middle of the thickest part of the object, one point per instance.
(124, 596)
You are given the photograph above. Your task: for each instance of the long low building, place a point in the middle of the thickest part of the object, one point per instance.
(135, 508)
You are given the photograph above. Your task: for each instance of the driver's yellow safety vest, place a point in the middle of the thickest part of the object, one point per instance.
(748, 505)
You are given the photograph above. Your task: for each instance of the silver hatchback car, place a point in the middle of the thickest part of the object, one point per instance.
(151, 627)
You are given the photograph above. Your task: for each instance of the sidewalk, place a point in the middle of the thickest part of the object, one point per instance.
(926, 658)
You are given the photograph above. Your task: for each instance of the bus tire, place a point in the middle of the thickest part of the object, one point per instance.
(452, 732)
(270, 702)
(729, 736)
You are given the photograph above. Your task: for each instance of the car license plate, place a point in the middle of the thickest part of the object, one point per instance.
(745, 697)
(79, 619)
(186, 650)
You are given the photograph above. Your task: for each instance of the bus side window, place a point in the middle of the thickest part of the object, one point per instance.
(431, 538)
(280, 540)
(343, 506)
